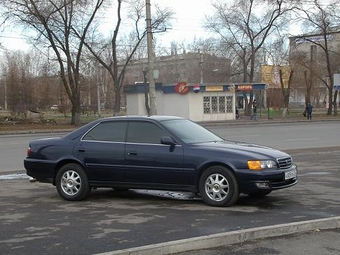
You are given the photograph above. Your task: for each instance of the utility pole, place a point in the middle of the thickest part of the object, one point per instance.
(201, 64)
(151, 64)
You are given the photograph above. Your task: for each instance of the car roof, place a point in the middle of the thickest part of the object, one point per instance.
(80, 131)
(142, 117)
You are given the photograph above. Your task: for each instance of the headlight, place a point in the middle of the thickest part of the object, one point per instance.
(261, 164)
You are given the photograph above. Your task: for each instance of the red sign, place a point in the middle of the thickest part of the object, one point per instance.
(182, 88)
(245, 87)
(196, 88)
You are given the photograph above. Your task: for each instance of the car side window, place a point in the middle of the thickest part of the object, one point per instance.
(112, 131)
(144, 132)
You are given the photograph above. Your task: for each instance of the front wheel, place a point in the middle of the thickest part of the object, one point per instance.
(218, 186)
(72, 182)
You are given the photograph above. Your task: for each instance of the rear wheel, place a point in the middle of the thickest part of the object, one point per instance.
(218, 186)
(72, 182)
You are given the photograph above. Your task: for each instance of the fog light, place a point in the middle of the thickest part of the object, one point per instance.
(262, 185)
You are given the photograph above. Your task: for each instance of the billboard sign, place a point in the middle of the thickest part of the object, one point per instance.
(271, 75)
(336, 81)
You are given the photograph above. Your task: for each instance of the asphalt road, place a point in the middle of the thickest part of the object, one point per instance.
(284, 136)
(35, 220)
(13, 150)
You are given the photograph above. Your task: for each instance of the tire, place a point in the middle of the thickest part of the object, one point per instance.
(72, 182)
(259, 194)
(218, 186)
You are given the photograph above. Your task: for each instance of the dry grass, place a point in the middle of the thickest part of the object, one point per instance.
(17, 128)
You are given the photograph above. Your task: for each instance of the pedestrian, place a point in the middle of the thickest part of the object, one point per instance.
(237, 115)
(309, 109)
(254, 116)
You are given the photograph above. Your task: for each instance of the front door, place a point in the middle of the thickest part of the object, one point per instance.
(149, 162)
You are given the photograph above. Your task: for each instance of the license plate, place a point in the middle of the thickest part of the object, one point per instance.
(290, 174)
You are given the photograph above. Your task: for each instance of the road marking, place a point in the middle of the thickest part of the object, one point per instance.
(242, 136)
(302, 139)
(315, 173)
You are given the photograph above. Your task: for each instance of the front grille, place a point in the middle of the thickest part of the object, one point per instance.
(285, 162)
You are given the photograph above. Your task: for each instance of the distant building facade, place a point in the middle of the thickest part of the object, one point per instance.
(198, 102)
(187, 67)
(176, 77)
(307, 49)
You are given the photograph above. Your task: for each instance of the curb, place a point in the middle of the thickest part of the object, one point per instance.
(228, 238)
(261, 121)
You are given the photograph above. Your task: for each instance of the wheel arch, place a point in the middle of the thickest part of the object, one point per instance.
(64, 162)
(210, 164)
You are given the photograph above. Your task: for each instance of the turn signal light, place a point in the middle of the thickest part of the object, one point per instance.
(254, 165)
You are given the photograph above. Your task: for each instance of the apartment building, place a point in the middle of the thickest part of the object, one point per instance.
(193, 67)
(307, 59)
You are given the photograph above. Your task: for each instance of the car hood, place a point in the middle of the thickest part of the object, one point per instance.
(254, 150)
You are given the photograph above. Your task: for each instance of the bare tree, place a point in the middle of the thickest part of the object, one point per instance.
(275, 52)
(322, 23)
(30, 82)
(17, 72)
(53, 22)
(285, 91)
(117, 63)
(244, 26)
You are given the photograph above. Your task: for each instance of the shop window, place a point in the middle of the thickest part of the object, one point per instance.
(229, 103)
(214, 105)
(220, 104)
(206, 105)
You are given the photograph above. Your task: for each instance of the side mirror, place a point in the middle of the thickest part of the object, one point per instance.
(167, 140)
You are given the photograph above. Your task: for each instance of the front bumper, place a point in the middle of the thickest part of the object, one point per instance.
(254, 181)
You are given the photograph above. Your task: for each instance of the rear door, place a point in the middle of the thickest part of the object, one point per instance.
(102, 151)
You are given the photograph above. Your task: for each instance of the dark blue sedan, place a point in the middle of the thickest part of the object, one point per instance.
(160, 153)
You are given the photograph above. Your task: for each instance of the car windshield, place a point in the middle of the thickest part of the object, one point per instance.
(190, 132)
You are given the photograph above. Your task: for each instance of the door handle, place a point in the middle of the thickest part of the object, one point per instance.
(132, 153)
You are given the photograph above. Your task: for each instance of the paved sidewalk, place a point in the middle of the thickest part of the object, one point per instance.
(230, 242)
(247, 121)
(315, 242)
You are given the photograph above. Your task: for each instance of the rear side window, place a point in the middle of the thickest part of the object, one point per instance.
(112, 131)
(144, 132)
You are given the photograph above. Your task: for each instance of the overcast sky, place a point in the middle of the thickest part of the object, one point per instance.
(188, 19)
(185, 27)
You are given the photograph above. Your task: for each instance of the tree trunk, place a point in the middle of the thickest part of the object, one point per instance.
(75, 120)
(116, 109)
(335, 103)
(330, 100)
